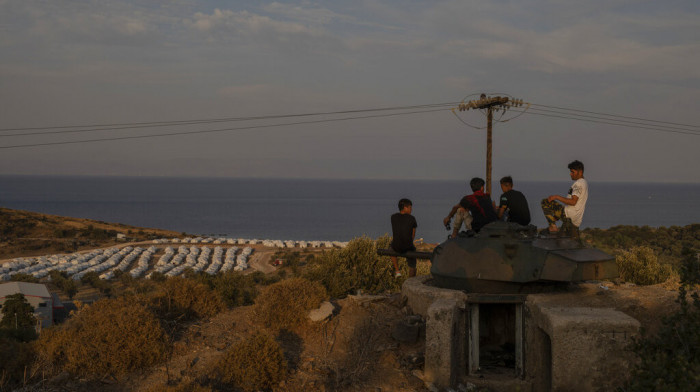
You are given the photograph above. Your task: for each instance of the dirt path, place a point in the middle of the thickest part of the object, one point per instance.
(260, 260)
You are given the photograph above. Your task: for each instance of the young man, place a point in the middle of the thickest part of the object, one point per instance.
(403, 227)
(573, 205)
(514, 202)
(478, 204)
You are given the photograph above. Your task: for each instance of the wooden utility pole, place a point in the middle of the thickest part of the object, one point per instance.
(491, 104)
(489, 145)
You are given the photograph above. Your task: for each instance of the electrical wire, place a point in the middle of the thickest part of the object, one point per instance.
(616, 115)
(532, 108)
(621, 122)
(119, 126)
(217, 130)
(601, 121)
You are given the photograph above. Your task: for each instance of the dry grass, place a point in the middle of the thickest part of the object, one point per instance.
(182, 387)
(356, 365)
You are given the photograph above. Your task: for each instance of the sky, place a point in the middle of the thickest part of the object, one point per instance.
(87, 62)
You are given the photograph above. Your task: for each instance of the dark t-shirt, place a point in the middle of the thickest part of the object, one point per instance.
(402, 227)
(480, 206)
(518, 211)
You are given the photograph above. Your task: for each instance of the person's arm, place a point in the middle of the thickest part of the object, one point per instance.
(565, 200)
(449, 216)
(501, 211)
(413, 234)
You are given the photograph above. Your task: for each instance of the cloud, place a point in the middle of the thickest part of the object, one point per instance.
(640, 46)
(306, 14)
(247, 24)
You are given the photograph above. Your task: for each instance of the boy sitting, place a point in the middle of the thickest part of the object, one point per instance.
(403, 227)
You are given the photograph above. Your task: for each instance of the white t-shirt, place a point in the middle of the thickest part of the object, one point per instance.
(575, 212)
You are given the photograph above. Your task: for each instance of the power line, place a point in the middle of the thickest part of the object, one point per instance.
(217, 130)
(601, 121)
(621, 122)
(560, 112)
(616, 115)
(117, 126)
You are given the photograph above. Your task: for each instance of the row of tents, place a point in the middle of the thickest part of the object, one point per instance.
(108, 262)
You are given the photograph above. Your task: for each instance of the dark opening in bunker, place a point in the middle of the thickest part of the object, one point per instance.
(497, 338)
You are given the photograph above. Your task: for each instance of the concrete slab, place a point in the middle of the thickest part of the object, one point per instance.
(420, 294)
(577, 348)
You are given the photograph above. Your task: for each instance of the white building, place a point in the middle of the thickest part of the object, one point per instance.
(36, 294)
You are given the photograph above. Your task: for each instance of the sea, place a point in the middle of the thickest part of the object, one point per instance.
(314, 209)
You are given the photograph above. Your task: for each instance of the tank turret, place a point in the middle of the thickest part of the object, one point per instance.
(509, 258)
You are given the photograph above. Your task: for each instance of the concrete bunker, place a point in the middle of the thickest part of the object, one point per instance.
(511, 342)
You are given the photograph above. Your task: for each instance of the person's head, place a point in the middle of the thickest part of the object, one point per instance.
(476, 183)
(405, 205)
(506, 183)
(576, 170)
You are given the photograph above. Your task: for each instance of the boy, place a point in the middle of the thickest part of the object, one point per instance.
(403, 227)
(514, 202)
(478, 204)
(575, 202)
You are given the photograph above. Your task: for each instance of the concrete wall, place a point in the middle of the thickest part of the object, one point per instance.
(565, 348)
(575, 348)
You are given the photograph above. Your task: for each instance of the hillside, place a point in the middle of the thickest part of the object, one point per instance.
(206, 319)
(24, 233)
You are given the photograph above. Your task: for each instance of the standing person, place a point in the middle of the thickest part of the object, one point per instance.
(403, 227)
(570, 212)
(478, 204)
(514, 202)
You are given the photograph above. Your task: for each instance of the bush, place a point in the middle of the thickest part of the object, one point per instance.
(16, 359)
(356, 267)
(188, 299)
(286, 304)
(641, 266)
(63, 282)
(670, 361)
(110, 337)
(24, 278)
(255, 364)
(235, 288)
(93, 279)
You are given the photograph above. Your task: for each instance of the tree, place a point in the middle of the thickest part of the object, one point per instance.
(17, 312)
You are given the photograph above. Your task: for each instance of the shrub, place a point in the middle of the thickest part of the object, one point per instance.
(21, 277)
(255, 364)
(112, 336)
(188, 299)
(286, 304)
(16, 359)
(356, 267)
(670, 361)
(93, 279)
(63, 282)
(234, 288)
(641, 266)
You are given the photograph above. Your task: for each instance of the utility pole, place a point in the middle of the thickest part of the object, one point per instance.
(490, 104)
